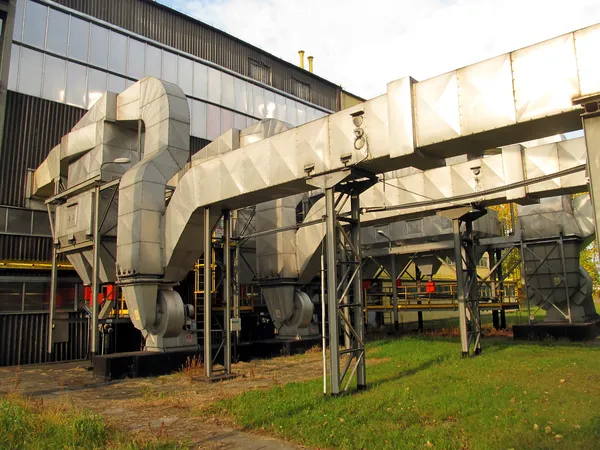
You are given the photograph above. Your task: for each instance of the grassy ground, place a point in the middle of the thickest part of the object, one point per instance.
(515, 395)
(25, 424)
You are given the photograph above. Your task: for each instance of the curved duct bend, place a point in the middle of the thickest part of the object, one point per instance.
(164, 110)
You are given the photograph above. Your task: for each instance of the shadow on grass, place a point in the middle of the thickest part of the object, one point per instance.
(407, 373)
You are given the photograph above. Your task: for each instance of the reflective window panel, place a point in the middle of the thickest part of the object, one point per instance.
(18, 221)
(135, 59)
(30, 72)
(200, 81)
(269, 104)
(198, 126)
(258, 95)
(116, 84)
(301, 107)
(37, 296)
(290, 109)
(169, 67)
(153, 61)
(54, 79)
(11, 296)
(227, 91)
(185, 75)
(78, 39)
(34, 29)
(57, 36)
(281, 109)
(213, 122)
(117, 59)
(226, 120)
(241, 95)
(96, 86)
(214, 85)
(98, 46)
(76, 84)
(13, 70)
(239, 121)
(18, 27)
(41, 224)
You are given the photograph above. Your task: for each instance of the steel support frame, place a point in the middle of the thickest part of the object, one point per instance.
(345, 302)
(562, 277)
(466, 280)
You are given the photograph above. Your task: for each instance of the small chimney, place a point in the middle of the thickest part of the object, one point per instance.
(301, 54)
(310, 63)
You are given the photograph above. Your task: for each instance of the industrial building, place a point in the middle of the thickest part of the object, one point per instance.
(58, 58)
(189, 182)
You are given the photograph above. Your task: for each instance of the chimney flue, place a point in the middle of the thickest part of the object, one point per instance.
(310, 63)
(301, 54)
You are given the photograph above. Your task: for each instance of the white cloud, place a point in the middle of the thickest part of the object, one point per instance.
(365, 44)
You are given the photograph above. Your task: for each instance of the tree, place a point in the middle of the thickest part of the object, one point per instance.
(588, 259)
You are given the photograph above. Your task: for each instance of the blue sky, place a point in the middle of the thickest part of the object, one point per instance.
(363, 45)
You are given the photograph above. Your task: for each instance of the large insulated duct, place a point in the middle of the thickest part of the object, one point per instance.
(542, 227)
(83, 154)
(164, 110)
(109, 131)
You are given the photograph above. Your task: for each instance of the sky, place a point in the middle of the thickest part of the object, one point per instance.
(364, 44)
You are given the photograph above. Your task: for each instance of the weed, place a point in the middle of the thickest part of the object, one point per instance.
(193, 368)
(26, 424)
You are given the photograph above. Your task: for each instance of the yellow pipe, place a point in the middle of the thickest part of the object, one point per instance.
(310, 63)
(301, 54)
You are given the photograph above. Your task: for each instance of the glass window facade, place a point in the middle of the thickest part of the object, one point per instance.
(113, 60)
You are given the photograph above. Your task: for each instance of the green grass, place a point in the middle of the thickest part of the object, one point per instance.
(25, 424)
(422, 394)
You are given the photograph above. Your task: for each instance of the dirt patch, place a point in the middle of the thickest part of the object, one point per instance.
(168, 405)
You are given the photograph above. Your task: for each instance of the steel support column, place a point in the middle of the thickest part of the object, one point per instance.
(53, 285)
(460, 285)
(207, 294)
(94, 335)
(466, 281)
(227, 319)
(53, 273)
(359, 324)
(394, 275)
(332, 306)
(345, 301)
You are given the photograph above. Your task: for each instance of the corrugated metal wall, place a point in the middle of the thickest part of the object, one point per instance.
(23, 339)
(25, 248)
(169, 27)
(33, 126)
